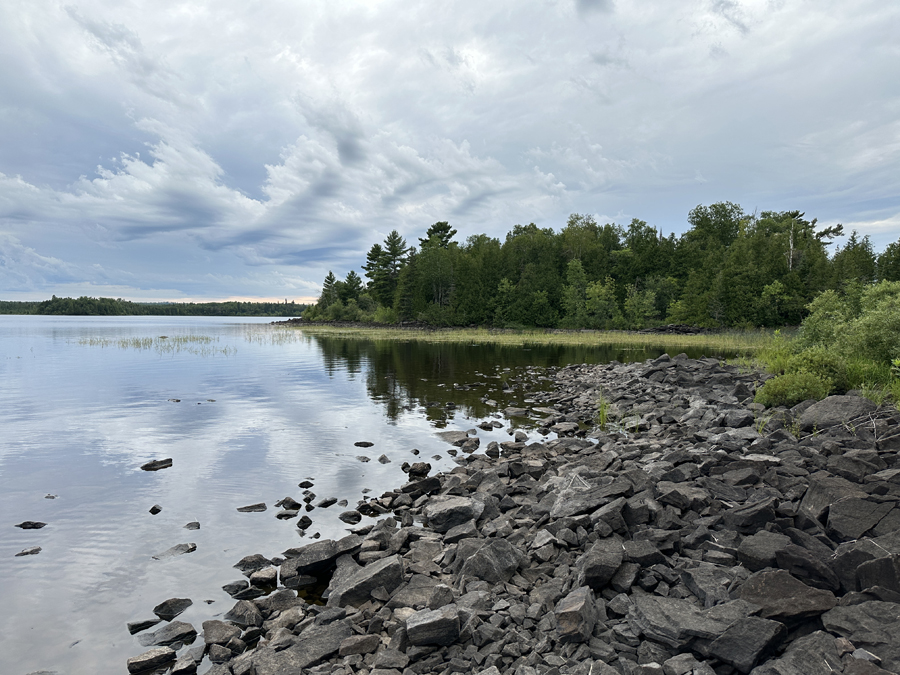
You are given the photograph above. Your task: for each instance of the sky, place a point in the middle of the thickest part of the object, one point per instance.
(213, 150)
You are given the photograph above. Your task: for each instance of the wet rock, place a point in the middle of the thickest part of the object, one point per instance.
(363, 444)
(350, 517)
(783, 598)
(747, 642)
(157, 464)
(154, 658)
(363, 459)
(434, 627)
(456, 438)
(194, 525)
(156, 508)
(32, 550)
(252, 508)
(31, 525)
(251, 563)
(170, 634)
(384, 459)
(138, 626)
(178, 549)
(169, 609)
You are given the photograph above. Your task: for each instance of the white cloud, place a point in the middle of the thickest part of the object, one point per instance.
(286, 142)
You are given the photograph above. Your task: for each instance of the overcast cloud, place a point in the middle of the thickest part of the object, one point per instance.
(207, 150)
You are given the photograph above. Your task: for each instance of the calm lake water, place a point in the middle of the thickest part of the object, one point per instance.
(84, 401)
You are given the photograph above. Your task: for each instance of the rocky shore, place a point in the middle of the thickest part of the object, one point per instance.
(693, 533)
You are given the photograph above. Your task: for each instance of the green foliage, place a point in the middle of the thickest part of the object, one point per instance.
(791, 389)
(85, 306)
(824, 363)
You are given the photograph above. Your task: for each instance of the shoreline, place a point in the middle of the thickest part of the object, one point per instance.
(697, 533)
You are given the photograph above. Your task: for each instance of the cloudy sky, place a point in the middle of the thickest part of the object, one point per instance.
(209, 150)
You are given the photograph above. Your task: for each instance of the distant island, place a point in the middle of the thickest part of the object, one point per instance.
(85, 306)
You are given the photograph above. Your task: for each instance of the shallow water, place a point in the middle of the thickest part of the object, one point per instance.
(84, 401)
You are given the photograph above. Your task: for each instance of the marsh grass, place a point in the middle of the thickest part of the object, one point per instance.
(164, 345)
(742, 342)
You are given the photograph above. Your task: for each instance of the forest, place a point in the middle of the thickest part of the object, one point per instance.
(85, 306)
(729, 269)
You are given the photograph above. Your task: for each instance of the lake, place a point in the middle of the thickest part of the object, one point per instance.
(246, 411)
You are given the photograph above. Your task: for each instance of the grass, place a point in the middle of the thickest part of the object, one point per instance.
(198, 345)
(726, 341)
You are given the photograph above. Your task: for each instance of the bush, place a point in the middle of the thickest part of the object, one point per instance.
(822, 362)
(791, 389)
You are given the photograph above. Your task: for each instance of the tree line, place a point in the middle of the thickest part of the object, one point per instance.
(87, 306)
(729, 269)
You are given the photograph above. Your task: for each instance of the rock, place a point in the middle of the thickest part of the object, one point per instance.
(194, 525)
(155, 509)
(495, 561)
(807, 567)
(363, 459)
(391, 658)
(171, 633)
(747, 642)
(184, 664)
(872, 625)
(217, 632)
(883, 572)
(138, 626)
(252, 508)
(157, 464)
(759, 551)
(814, 654)
(312, 646)
(316, 557)
(709, 583)
(781, 597)
(384, 459)
(751, 517)
(171, 608)
(350, 517)
(835, 410)
(251, 563)
(852, 517)
(434, 627)
(359, 644)
(356, 589)
(31, 525)
(363, 444)
(32, 550)
(444, 513)
(672, 621)
(576, 615)
(178, 549)
(245, 613)
(456, 438)
(154, 658)
(264, 577)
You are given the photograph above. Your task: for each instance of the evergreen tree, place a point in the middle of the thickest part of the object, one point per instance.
(438, 234)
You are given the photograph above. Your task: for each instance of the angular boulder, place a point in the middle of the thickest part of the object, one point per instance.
(445, 513)
(434, 627)
(783, 598)
(357, 587)
(495, 561)
(576, 615)
(835, 410)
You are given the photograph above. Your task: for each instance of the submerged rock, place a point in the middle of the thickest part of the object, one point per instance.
(157, 464)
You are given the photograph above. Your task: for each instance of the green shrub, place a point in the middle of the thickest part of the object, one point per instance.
(791, 389)
(822, 362)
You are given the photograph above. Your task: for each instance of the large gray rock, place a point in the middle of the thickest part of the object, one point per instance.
(835, 410)
(576, 615)
(245, 613)
(495, 561)
(169, 609)
(708, 582)
(850, 555)
(434, 627)
(759, 551)
(596, 567)
(747, 642)
(356, 589)
(823, 491)
(807, 567)
(781, 597)
(814, 654)
(178, 549)
(884, 572)
(217, 632)
(151, 659)
(445, 513)
(177, 631)
(316, 557)
(851, 518)
(672, 621)
(576, 500)
(872, 625)
(311, 647)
